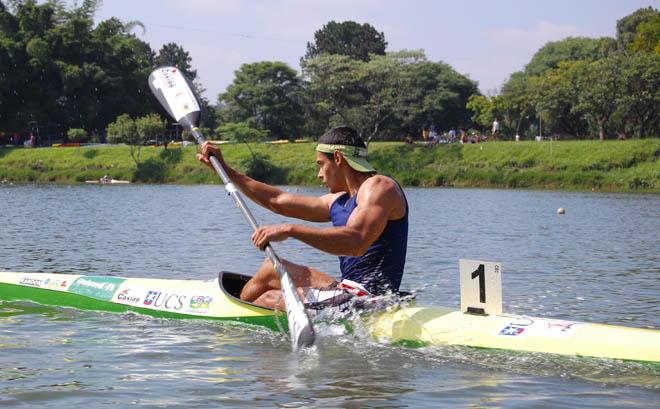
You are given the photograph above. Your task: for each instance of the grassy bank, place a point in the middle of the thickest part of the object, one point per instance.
(576, 165)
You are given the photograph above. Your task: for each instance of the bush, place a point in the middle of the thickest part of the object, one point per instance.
(76, 135)
(258, 166)
(122, 130)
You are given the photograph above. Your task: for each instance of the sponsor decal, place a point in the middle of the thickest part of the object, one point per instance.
(555, 328)
(200, 302)
(539, 327)
(54, 284)
(512, 330)
(161, 300)
(560, 326)
(126, 297)
(32, 282)
(102, 288)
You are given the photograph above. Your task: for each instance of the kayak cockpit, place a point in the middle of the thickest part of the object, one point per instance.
(232, 284)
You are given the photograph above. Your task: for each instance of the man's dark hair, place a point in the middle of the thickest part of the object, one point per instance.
(342, 135)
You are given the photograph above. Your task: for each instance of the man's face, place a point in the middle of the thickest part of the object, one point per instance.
(328, 172)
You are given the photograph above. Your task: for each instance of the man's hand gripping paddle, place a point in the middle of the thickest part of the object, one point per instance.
(174, 93)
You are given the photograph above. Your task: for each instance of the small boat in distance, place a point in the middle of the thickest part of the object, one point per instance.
(107, 180)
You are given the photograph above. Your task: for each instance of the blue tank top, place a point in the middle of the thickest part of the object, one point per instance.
(380, 269)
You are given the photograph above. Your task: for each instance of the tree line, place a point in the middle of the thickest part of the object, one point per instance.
(581, 87)
(58, 69)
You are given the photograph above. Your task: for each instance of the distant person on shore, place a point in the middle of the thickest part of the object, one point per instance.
(496, 129)
(408, 139)
(452, 135)
(433, 134)
(464, 136)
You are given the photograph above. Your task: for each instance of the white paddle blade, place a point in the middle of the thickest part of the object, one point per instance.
(173, 92)
(300, 326)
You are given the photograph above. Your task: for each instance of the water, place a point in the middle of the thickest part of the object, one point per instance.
(599, 262)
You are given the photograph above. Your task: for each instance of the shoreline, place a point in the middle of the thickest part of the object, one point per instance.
(610, 166)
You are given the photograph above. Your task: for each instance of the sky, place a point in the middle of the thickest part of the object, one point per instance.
(486, 40)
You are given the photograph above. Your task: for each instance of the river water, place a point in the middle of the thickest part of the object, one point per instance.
(599, 262)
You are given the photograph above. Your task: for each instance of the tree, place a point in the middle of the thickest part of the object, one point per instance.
(149, 127)
(76, 135)
(330, 87)
(555, 95)
(519, 101)
(384, 89)
(266, 95)
(72, 73)
(240, 132)
(569, 49)
(483, 109)
(391, 94)
(123, 130)
(599, 90)
(349, 38)
(648, 36)
(640, 99)
(174, 55)
(436, 94)
(626, 28)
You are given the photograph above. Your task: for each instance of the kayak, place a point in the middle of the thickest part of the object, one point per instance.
(401, 324)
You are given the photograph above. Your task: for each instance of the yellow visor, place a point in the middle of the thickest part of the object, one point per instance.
(355, 156)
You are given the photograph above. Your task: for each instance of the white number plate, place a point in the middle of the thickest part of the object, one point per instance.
(481, 287)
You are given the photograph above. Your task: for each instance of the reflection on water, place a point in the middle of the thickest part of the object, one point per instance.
(598, 262)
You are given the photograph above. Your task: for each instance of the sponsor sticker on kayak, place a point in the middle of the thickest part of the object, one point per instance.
(128, 296)
(539, 327)
(200, 302)
(32, 282)
(56, 284)
(177, 302)
(164, 300)
(101, 288)
(512, 331)
(558, 329)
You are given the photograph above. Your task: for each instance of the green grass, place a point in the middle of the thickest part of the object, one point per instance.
(574, 165)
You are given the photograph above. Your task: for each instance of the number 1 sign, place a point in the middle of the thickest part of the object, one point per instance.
(481, 287)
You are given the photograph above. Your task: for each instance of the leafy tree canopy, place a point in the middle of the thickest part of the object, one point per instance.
(266, 95)
(348, 38)
(570, 49)
(626, 28)
(648, 36)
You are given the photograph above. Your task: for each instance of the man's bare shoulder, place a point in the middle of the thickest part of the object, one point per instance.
(385, 192)
(380, 184)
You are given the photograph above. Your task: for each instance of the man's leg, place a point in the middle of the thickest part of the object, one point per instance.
(267, 279)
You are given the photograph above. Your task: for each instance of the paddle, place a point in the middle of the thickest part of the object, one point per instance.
(174, 93)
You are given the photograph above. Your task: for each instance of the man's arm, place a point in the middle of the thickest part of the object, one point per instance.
(379, 200)
(315, 209)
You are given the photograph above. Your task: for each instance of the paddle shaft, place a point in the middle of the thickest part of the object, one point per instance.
(174, 93)
(240, 203)
(300, 325)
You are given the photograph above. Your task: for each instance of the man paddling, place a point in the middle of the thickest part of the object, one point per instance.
(369, 214)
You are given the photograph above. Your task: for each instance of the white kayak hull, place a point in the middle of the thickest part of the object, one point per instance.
(411, 325)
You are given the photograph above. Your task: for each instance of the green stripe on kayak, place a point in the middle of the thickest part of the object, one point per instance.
(11, 292)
